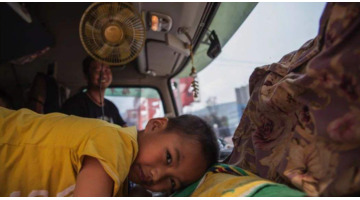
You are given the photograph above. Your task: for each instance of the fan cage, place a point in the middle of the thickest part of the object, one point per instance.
(100, 15)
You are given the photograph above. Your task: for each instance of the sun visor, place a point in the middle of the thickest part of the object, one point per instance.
(161, 59)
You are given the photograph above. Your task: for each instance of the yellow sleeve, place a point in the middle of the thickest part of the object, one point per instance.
(115, 148)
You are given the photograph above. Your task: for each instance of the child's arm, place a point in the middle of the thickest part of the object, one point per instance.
(93, 180)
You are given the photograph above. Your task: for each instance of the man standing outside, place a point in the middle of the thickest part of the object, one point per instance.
(92, 103)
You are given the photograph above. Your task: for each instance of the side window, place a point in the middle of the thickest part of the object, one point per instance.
(136, 105)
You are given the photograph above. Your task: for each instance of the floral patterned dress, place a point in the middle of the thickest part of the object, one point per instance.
(301, 126)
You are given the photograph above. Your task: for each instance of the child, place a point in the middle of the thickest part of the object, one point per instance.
(61, 155)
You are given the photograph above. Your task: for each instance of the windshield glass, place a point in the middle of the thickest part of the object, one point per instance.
(270, 31)
(136, 105)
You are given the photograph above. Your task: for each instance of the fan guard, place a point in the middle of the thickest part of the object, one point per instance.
(112, 33)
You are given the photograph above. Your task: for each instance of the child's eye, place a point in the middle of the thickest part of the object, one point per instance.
(168, 158)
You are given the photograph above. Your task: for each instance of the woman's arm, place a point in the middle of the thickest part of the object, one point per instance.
(92, 180)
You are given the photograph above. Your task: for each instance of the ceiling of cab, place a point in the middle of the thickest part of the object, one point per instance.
(158, 58)
(61, 21)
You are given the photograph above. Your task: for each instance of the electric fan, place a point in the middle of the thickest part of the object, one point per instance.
(112, 33)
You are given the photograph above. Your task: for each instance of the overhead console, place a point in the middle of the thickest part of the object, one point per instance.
(166, 48)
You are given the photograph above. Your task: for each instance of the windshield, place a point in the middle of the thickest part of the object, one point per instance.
(136, 105)
(270, 31)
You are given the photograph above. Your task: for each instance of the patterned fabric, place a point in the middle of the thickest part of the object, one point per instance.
(302, 123)
(229, 169)
(224, 180)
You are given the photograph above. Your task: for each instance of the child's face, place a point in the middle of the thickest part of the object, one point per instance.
(167, 161)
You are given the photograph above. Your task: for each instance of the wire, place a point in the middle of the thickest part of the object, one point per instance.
(101, 101)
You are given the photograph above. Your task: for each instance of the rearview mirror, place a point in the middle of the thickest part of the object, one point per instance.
(215, 47)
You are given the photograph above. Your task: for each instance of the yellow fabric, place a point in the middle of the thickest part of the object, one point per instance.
(228, 185)
(41, 155)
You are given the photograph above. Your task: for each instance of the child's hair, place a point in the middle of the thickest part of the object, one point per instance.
(197, 128)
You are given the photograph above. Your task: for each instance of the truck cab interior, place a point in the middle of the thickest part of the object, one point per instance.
(284, 123)
(47, 69)
(55, 31)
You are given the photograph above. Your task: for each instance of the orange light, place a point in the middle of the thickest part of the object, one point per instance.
(154, 23)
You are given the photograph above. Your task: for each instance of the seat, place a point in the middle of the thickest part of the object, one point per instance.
(46, 95)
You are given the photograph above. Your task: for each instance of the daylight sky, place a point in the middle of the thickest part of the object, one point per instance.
(270, 31)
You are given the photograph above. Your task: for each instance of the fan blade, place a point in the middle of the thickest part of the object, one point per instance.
(104, 51)
(102, 21)
(114, 8)
(124, 15)
(127, 13)
(103, 9)
(134, 35)
(128, 32)
(90, 30)
(124, 50)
